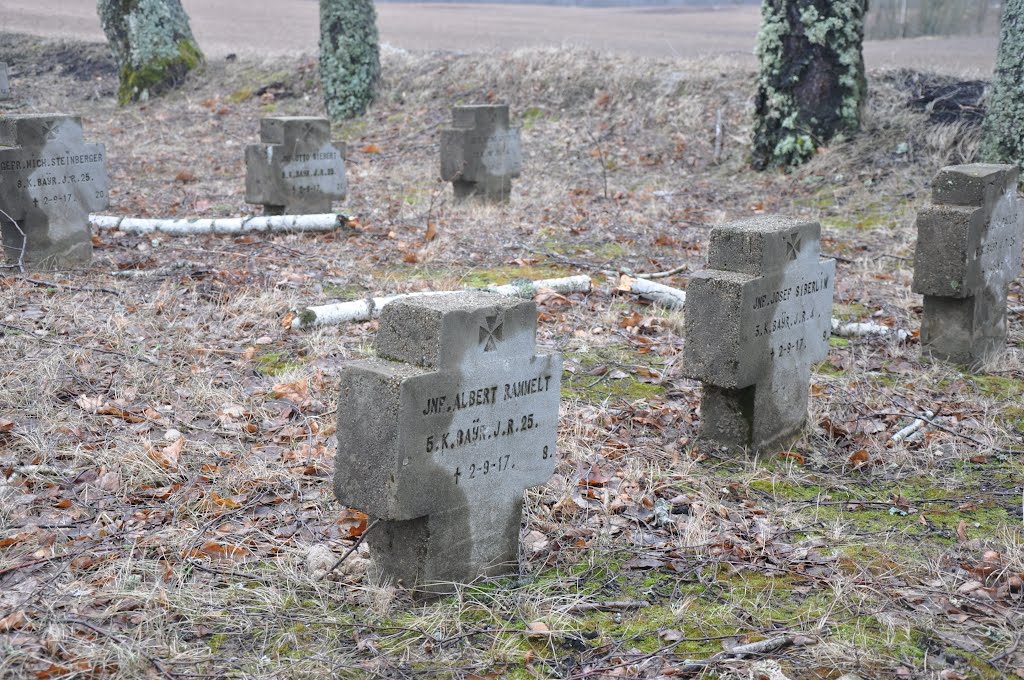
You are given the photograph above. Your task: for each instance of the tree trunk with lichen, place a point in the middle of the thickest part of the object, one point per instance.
(1002, 139)
(349, 56)
(152, 44)
(811, 86)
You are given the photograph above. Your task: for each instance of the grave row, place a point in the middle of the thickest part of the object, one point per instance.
(50, 178)
(457, 414)
(442, 431)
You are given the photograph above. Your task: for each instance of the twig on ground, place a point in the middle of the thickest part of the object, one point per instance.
(352, 549)
(909, 430)
(579, 264)
(662, 275)
(20, 264)
(718, 136)
(54, 284)
(759, 648)
(112, 352)
(606, 606)
(122, 642)
(947, 430)
(604, 162)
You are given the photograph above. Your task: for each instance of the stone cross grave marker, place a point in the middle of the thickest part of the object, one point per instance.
(756, 320)
(968, 252)
(440, 435)
(295, 169)
(5, 86)
(49, 181)
(481, 154)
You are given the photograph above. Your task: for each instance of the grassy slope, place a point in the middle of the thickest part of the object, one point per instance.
(122, 555)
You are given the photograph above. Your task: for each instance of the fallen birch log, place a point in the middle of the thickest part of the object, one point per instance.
(365, 310)
(864, 330)
(658, 293)
(911, 430)
(226, 225)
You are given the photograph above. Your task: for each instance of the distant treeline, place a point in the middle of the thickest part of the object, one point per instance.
(596, 3)
(912, 18)
(887, 19)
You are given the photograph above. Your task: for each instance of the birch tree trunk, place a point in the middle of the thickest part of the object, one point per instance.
(349, 56)
(1002, 139)
(152, 44)
(811, 86)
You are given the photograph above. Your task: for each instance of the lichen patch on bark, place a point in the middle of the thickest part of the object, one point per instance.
(811, 86)
(152, 44)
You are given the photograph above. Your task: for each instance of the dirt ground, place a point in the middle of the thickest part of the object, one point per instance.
(167, 441)
(278, 28)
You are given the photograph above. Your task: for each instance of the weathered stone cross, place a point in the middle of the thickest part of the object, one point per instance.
(439, 436)
(295, 169)
(49, 181)
(756, 321)
(968, 252)
(481, 154)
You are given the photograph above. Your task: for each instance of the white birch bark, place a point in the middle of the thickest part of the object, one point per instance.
(226, 225)
(365, 310)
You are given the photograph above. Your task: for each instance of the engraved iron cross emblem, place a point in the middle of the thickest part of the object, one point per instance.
(490, 334)
(793, 245)
(50, 130)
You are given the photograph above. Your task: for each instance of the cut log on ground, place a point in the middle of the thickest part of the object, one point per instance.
(225, 225)
(864, 330)
(658, 293)
(365, 310)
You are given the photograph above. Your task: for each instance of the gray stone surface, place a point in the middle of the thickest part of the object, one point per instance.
(50, 180)
(968, 252)
(756, 321)
(5, 85)
(440, 435)
(480, 153)
(295, 169)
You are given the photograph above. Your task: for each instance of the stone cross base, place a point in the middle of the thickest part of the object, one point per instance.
(437, 552)
(763, 416)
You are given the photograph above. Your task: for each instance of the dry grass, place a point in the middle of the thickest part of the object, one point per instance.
(122, 557)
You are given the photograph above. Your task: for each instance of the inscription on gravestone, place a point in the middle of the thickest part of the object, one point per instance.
(295, 169)
(5, 86)
(440, 435)
(968, 252)
(756, 321)
(481, 154)
(49, 181)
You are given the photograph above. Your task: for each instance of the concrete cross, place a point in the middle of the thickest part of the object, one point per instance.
(50, 180)
(756, 321)
(481, 154)
(439, 436)
(968, 252)
(295, 169)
